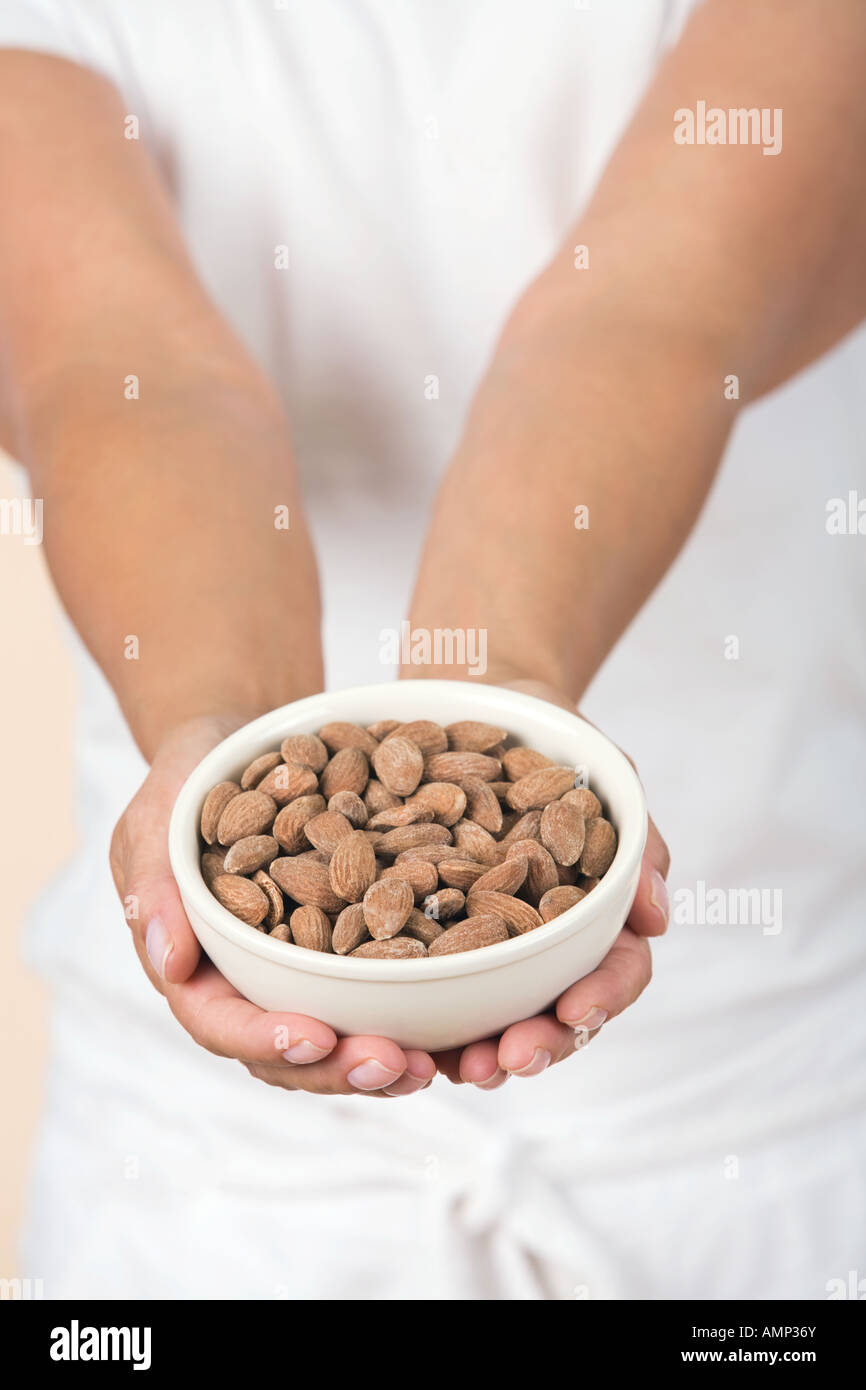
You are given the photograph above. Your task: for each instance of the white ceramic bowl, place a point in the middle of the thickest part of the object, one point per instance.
(445, 1001)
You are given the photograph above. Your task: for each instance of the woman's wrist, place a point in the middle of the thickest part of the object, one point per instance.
(159, 715)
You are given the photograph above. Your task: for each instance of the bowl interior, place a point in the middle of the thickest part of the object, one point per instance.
(556, 732)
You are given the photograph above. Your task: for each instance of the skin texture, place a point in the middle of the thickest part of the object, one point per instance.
(606, 389)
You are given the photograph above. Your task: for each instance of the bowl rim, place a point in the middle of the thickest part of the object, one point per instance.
(328, 705)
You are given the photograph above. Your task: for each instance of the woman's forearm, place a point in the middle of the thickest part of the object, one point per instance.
(698, 279)
(174, 533)
(580, 473)
(172, 522)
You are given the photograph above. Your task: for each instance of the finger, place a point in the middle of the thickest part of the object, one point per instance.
(448, 1064)
(419, 1073)
(164, 940)
(623, 974)
(358, 1065)
(221, 1020)
(479, 1065)
(530, 1047)
(650, 912)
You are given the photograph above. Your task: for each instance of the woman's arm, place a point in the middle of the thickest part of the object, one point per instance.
(159, 493)
(607, 389)
(159, 517)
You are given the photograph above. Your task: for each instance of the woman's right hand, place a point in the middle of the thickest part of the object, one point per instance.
(282, 1049)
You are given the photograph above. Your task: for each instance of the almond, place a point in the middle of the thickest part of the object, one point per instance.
(423, 928)
(499, 789)
(446, 903)
(567, 874)
(242, 898)
(421, 876)
(392, 948)
(526, 827)
(212, 866)
(460, 873)
(288, 781)
(429, 737)
(387, 905)
(251, 813)
(599, 847)
(587, 882)
(446, 800)
(518, 916)
(563, 832)
(281, 931)
(453, 767)
(506, 877)
(586, 802)
(214, 804)
(350, 805)
(431, 854)
(307, 881)
(378, 798)
(471, 736)
(258, 768)
(536, 789)
(304, 748)
(382, 728)
(347, 771)
(310, 928)
(339, 735)
(326, 830)
(401, 815)
(557, 900)
(519, 762)
(476, 843)
(541, 874)
(275, 900)
(353, 867)
(398, 764)
(288, 828)
(350, 929)
(485, 929)
(251, 853)
(482, 805)
(411, 837)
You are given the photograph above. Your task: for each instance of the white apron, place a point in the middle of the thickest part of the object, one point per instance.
(420, 162)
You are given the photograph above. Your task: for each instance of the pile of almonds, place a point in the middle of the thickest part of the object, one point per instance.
(402, 840)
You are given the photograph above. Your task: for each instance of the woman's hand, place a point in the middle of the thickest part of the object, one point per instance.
(530, 1047)
(283, 1049)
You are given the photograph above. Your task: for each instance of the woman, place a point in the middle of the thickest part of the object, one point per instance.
(247, 222)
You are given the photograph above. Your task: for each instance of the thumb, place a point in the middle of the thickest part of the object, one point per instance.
(164, 940)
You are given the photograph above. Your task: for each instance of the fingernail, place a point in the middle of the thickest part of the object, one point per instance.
(407, 1085)
(158, 945)
(541, 1060)
(659, 896)
(493, 1082)
(304, 1051)
(594, 1019)
(371, 1076)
